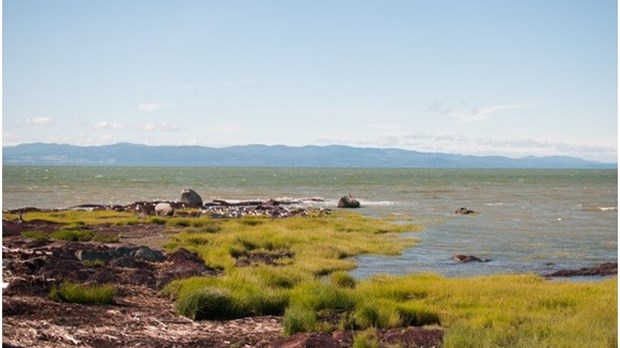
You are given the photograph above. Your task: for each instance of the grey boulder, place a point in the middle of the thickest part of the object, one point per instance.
(191, 198)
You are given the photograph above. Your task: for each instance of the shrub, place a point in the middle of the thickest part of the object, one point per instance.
(72, 235)
(85, 294)
(298, 319)
(342, 279)
(207, 303)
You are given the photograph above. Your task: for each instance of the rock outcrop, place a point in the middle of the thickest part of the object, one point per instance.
(604, 269)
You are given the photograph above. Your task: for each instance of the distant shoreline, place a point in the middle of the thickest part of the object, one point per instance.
(311, 156)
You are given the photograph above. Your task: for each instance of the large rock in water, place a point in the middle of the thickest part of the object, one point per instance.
(191, 198)
(348, 202)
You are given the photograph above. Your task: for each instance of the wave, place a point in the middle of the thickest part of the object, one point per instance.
(497, 204)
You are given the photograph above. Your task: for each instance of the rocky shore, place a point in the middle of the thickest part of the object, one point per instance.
(141, 316)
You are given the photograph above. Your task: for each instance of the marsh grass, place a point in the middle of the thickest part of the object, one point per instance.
(492, 311)
(333, 243)
(84, 294)
(79, 217)
(36, 235)
(72, 235)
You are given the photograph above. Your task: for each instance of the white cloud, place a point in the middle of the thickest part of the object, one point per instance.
(39, 121)
(109, 125)
(147, 107)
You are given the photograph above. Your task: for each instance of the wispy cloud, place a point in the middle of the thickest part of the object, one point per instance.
(463, 112)
(146, 127)
(476, 114)
(147, 107)
(39, 121)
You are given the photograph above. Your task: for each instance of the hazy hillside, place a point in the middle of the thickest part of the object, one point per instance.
(270, 156)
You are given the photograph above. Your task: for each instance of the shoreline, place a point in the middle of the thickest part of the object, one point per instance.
(151, 307)
(289, 207)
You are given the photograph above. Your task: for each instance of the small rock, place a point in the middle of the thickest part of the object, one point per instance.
(94, 255)
(148, 254)
(164, 209)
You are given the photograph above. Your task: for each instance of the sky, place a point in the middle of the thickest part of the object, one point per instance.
(474, 77)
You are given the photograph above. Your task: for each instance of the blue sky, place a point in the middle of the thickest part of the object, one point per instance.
(501, 77)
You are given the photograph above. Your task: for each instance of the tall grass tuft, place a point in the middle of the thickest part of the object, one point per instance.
(299, 319)
(366, 339)
(207, 303)
(318, 295)
(85, 294)
(377, 314)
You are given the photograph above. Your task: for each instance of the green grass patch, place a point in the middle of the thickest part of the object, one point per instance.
(72, 235)
(36, 235)
(85, 294)
(78, 218)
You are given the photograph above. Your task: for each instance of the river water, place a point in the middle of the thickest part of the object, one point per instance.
(527, 221)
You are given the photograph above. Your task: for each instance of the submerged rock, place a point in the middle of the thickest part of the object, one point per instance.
(465, 211)
(468, 258)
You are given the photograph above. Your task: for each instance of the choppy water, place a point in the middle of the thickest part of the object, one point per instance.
(529, 221)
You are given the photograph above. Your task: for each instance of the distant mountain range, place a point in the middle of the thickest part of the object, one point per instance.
(124, 154)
